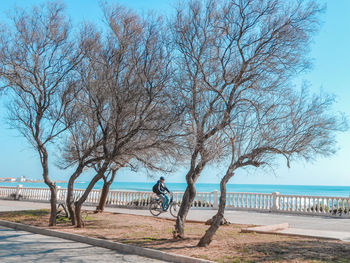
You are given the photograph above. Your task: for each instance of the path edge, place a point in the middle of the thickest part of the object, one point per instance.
(128, 249)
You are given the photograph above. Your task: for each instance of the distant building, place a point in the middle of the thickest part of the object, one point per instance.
(21, 179)
(8, 179)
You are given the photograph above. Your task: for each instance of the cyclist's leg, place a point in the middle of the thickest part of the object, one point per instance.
(165, 202)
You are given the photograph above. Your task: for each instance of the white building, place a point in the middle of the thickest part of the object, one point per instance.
(21, 179)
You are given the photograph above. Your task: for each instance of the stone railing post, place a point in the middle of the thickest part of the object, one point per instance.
(59, 192)
(215, 199)
(18, 191)
(275, 201)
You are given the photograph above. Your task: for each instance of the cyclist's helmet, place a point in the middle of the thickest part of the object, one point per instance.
(162, 178)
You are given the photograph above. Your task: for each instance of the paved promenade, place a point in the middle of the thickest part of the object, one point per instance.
(238, 217)
(315, 225)
(21, 246)
(256, 218)
(9, 205)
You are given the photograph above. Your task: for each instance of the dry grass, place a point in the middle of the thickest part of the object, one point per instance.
(229, 244)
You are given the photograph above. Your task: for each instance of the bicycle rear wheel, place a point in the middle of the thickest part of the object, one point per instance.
(174, 209)
(155, 208)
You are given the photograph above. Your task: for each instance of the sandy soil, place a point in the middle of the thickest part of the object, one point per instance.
(229, 244)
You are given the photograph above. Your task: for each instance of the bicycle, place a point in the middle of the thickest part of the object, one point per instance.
(156, 206)
(62, 213)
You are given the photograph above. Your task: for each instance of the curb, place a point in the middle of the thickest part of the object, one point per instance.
(140, 251)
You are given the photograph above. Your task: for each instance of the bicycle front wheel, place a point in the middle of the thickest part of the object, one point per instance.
(155, 208)
(174, 209)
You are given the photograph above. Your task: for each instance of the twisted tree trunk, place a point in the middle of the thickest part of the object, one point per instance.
(52, 186)
(185, 206)
(104, 193)
(187, 200)
(79, 203)
(53, 204)
(70, 189)
(217, 219)
(103, 197)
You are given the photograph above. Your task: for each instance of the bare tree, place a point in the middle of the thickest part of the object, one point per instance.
(226, 52)
(37, 60)
(294, 126)
(125, 100)
(80, 147)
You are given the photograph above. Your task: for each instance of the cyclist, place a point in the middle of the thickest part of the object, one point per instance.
(160, 189)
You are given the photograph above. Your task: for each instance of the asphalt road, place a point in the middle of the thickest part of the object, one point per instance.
(21, 246)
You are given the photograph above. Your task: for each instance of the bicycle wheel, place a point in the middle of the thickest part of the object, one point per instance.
(155, 208)
(174, 209)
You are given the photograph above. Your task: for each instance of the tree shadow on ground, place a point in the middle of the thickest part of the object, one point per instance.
(320, 250)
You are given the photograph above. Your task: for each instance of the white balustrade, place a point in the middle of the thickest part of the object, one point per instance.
(275, 202)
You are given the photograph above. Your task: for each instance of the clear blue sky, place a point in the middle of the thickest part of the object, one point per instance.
(331, 72)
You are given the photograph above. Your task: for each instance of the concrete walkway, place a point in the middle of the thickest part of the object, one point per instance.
(10, 205)
(256, 218)
(315, 225)
(21, 246)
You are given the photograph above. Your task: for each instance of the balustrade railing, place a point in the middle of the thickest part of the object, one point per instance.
(249, 201)
(275, 202)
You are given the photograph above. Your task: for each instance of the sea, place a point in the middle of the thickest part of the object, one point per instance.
(315, 190)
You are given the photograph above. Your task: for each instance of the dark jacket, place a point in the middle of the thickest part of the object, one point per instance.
(161, 188)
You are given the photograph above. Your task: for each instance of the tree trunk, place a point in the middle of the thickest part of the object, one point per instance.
(189, 195)
(53, 204)
(70, 189)
(186, 203)
(78, 218)
(70, 201)
(209, 234)
(105, 189)
(79, 203)
(52, 186)
(104, 193)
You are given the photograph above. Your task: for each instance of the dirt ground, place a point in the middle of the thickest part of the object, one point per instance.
(229, 245)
